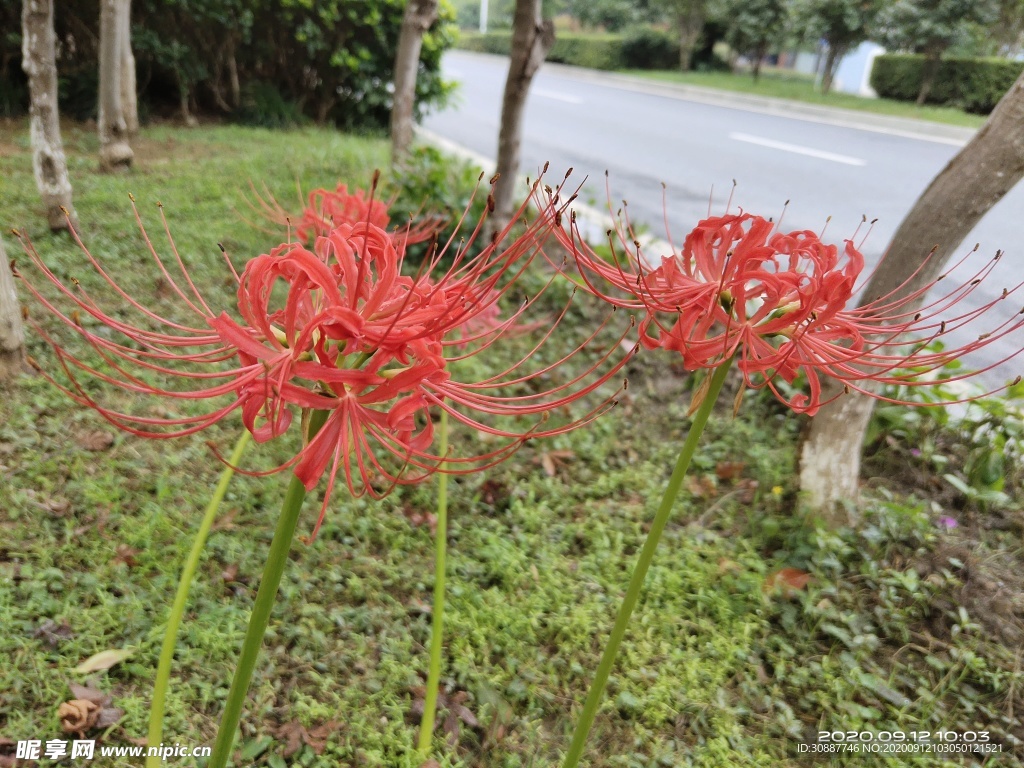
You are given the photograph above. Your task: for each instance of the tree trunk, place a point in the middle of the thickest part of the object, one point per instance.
(418, 17)
(956, 200)
(691, 25)
(835, 55)
(756, 64)
(928, 75)
(129, 96)
(12, 336)
(184, 98)
(236, 88)
(532, 38)
(115, 152)
(48, 162)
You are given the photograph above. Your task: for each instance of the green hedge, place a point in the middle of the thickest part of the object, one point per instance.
(973, 84)
(592, 51)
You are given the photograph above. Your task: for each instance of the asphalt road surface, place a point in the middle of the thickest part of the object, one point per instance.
(696, 150)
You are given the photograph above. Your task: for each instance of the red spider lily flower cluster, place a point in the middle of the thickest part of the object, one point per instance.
(326, 209)
(780, 304)
(338, 328)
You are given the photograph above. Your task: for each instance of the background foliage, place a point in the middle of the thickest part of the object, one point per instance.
(266, 62)
(973, 84)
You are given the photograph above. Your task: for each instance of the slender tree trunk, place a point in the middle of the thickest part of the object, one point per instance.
(532, 38)
(756, 70)
(835, 55)
(418, 17)
(184, 99)
(129, 96)
(956, 200)
(12, 336)
(115, 152)
(48, 162)
(236, 87)
(928, 75)
(691, 25)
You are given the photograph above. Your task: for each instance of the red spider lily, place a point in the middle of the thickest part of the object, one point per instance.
(337, 328)
(326, 209)
(781, 305)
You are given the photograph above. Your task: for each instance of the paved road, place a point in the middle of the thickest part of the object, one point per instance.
(643, 139)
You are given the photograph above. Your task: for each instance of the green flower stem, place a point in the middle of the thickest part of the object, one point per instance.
(163, 670)
(636, 581)
(277, 558)
(437, 612)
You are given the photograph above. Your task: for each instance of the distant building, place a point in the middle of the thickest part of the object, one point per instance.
(854, 72)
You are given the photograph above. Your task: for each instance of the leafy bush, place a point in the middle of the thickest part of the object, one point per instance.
(973, 84)
(649, 48)
(591, 51)
(262, 105)
(489, 42)
(446, 184)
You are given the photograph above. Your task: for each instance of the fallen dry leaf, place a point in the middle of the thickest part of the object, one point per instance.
(418, 518)
(225, 522)
(295, 735)
(729, 470)
(230, 572)
(725, 565)
(551, 461)
(125, 555)
(97, 523)
(788, 580)
(95, 440)
(8, 750)
(162, 289)
(492, 492)
(102, 660)
(700, 486)
(89, 694)
(52, 633)
(57, 506)
(419, 607)
(316, 738)
(451, 708)
(78, 715)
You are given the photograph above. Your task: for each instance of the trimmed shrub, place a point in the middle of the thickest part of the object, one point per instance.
(490, 42)
(973, 84)
(591, 51)
(649, 48)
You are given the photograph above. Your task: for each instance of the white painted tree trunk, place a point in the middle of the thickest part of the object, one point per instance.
(48, 162)
(975, 180)
(418, 17)
(532, 38)
(129, 97)
(12, 335)
(115, 152)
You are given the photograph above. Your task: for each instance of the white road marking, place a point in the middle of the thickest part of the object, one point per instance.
(797, 149)
(557, 96)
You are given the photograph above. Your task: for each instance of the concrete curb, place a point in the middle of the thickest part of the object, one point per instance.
(865, 121)
(593, 223)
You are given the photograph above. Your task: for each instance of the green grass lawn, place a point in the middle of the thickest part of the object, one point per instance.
(788, 85)
(903, 625)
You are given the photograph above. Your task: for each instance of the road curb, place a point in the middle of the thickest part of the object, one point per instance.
(847, 118)
(593, 223)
